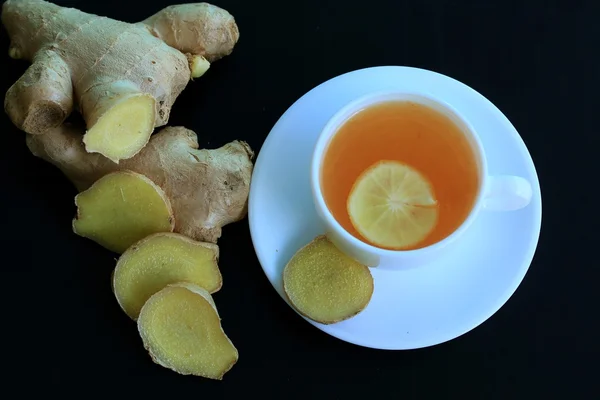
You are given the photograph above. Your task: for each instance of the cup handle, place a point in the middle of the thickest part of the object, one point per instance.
(507, 193)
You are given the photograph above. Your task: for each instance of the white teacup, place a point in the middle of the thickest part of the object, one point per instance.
(495, 193)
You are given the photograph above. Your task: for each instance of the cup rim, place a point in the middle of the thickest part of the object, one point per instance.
(349, 110)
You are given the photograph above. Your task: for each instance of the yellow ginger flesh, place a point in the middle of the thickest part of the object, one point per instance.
(324, 284)
(181, 329)
(120, 209)
(159, 260)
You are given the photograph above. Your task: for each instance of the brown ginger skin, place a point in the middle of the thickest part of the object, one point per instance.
(199, 29)
(91, 63)
(208, 189)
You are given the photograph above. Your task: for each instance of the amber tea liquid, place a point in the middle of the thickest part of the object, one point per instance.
(411, 133)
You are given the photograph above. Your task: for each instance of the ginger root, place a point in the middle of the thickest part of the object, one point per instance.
(159, 260)
(181, 329)
(122, 77)
(120, 209)
(324, 284)
(207, 189)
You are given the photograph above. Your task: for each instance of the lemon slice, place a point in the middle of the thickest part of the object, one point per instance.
(392, 205)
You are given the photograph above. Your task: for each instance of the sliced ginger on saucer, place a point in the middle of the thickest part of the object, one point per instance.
(181, 329)
(392, 205)
(324, 284)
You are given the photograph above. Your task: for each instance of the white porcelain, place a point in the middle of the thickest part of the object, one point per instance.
(506, 193)
(410, 308)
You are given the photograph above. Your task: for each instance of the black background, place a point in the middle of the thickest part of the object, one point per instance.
(63, 332)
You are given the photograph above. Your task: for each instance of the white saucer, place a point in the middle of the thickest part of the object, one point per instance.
(411, 308)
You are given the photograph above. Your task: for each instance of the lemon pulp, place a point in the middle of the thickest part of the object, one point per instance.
(392, 205)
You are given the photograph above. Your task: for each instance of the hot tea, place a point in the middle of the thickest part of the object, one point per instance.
(399, 175)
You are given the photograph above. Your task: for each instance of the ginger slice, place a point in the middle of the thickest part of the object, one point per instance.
(181, 329)
(124, 128)
(120, 209)
(324, 284)
(161, 259)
